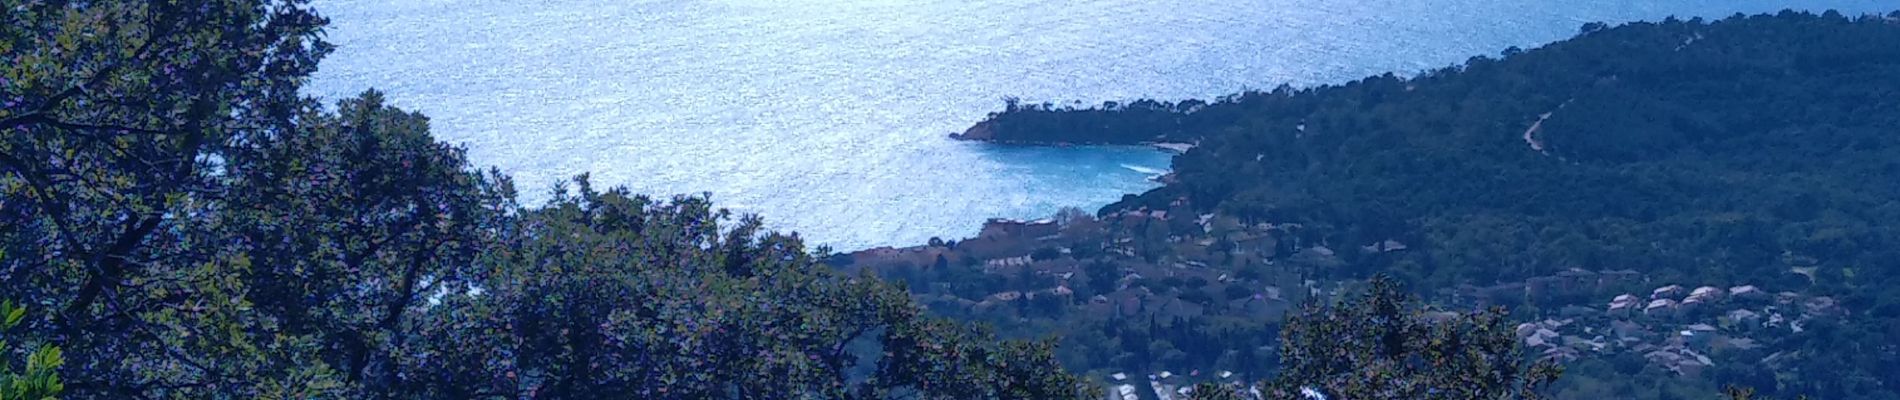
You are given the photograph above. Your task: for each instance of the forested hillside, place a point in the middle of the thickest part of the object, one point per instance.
(1752, 150)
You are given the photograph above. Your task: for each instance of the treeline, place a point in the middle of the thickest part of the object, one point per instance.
(1141, 121)
(1747, 150)
(182, 223)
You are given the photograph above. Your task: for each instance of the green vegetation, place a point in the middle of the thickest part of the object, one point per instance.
(1112, 123)
(1381, 345)
(1378, 345)
(197, 229)
(39, 378)
(1753, 150)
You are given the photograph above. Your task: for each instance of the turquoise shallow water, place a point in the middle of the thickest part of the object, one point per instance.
(828, 116)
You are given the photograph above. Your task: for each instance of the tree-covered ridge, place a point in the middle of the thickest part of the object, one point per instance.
(1645, 121)
(192, 227)
(1729, 144)
(1753, 150)
(1137, 122)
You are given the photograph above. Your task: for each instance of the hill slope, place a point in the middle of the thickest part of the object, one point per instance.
(1756, 150)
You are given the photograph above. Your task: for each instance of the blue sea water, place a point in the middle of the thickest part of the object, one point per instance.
(829, 117)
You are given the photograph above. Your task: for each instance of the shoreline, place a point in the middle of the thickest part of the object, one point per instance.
(1175, 148)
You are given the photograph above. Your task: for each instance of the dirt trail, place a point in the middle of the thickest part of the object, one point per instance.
(1530, 135)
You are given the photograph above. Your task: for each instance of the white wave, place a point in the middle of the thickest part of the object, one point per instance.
(1144, 170)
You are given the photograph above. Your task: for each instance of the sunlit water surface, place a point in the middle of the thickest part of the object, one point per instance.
(828, 116)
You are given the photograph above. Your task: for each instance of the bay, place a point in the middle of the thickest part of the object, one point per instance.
(829, 117)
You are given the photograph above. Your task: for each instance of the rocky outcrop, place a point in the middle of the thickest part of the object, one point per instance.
(982, 131)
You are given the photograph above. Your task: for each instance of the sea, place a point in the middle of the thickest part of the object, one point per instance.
(829, 117)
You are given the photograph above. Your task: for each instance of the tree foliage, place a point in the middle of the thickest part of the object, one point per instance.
(1380, 345)
(38, 377)
(200, 230)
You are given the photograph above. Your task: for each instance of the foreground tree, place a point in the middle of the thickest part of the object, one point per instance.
(198, 230)
(613, 294)
(1379, 345)
(118, 121)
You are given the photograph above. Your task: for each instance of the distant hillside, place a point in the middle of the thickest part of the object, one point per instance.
(1773, 125)
(1750, 150)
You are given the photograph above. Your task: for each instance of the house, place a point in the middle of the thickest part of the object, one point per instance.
(1706, 294)
(1624, 302)
(1392, 245)
(1665, 358)
(995, 265)
(1063, 291)
(1670, 291)
(1383, 246)
(1322, 251)
(1661, 307)
(1542, 337)
(1000, 228)
(1748, 293)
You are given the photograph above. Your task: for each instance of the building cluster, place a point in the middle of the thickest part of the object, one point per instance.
(1166, 385)
(1678, 329)
(1681, 329)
